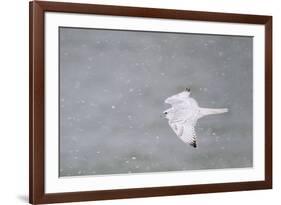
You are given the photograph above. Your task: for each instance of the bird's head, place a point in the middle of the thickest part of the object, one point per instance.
(168, 113)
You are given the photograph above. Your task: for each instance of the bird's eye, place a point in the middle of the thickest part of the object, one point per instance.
(165, 113)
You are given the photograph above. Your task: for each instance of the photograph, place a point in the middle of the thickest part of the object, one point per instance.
(143, 101)
(129, 102)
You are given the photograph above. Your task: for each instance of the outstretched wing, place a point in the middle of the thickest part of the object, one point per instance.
(178, 98)
(182, 101)
(185, 132)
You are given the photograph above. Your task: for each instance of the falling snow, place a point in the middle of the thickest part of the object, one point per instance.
(220, 53)
(112, 92)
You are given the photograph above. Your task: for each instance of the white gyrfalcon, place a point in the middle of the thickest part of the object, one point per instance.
(184, 113)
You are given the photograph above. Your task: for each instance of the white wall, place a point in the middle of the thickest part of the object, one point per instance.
(14, 100)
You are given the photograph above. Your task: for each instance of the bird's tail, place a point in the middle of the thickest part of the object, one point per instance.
(211, 111)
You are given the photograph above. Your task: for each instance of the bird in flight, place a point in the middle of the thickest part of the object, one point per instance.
(184, 113)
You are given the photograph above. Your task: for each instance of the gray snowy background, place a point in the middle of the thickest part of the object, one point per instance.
(112, 90)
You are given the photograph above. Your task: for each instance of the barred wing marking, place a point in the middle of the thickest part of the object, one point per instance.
(185, 132)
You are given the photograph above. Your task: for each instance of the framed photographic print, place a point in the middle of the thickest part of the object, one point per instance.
(139, 102)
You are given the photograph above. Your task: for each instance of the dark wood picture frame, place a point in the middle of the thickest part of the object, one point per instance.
(37, 193)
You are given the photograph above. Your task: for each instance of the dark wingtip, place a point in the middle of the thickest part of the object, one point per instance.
(194, 144)
(187, 89)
